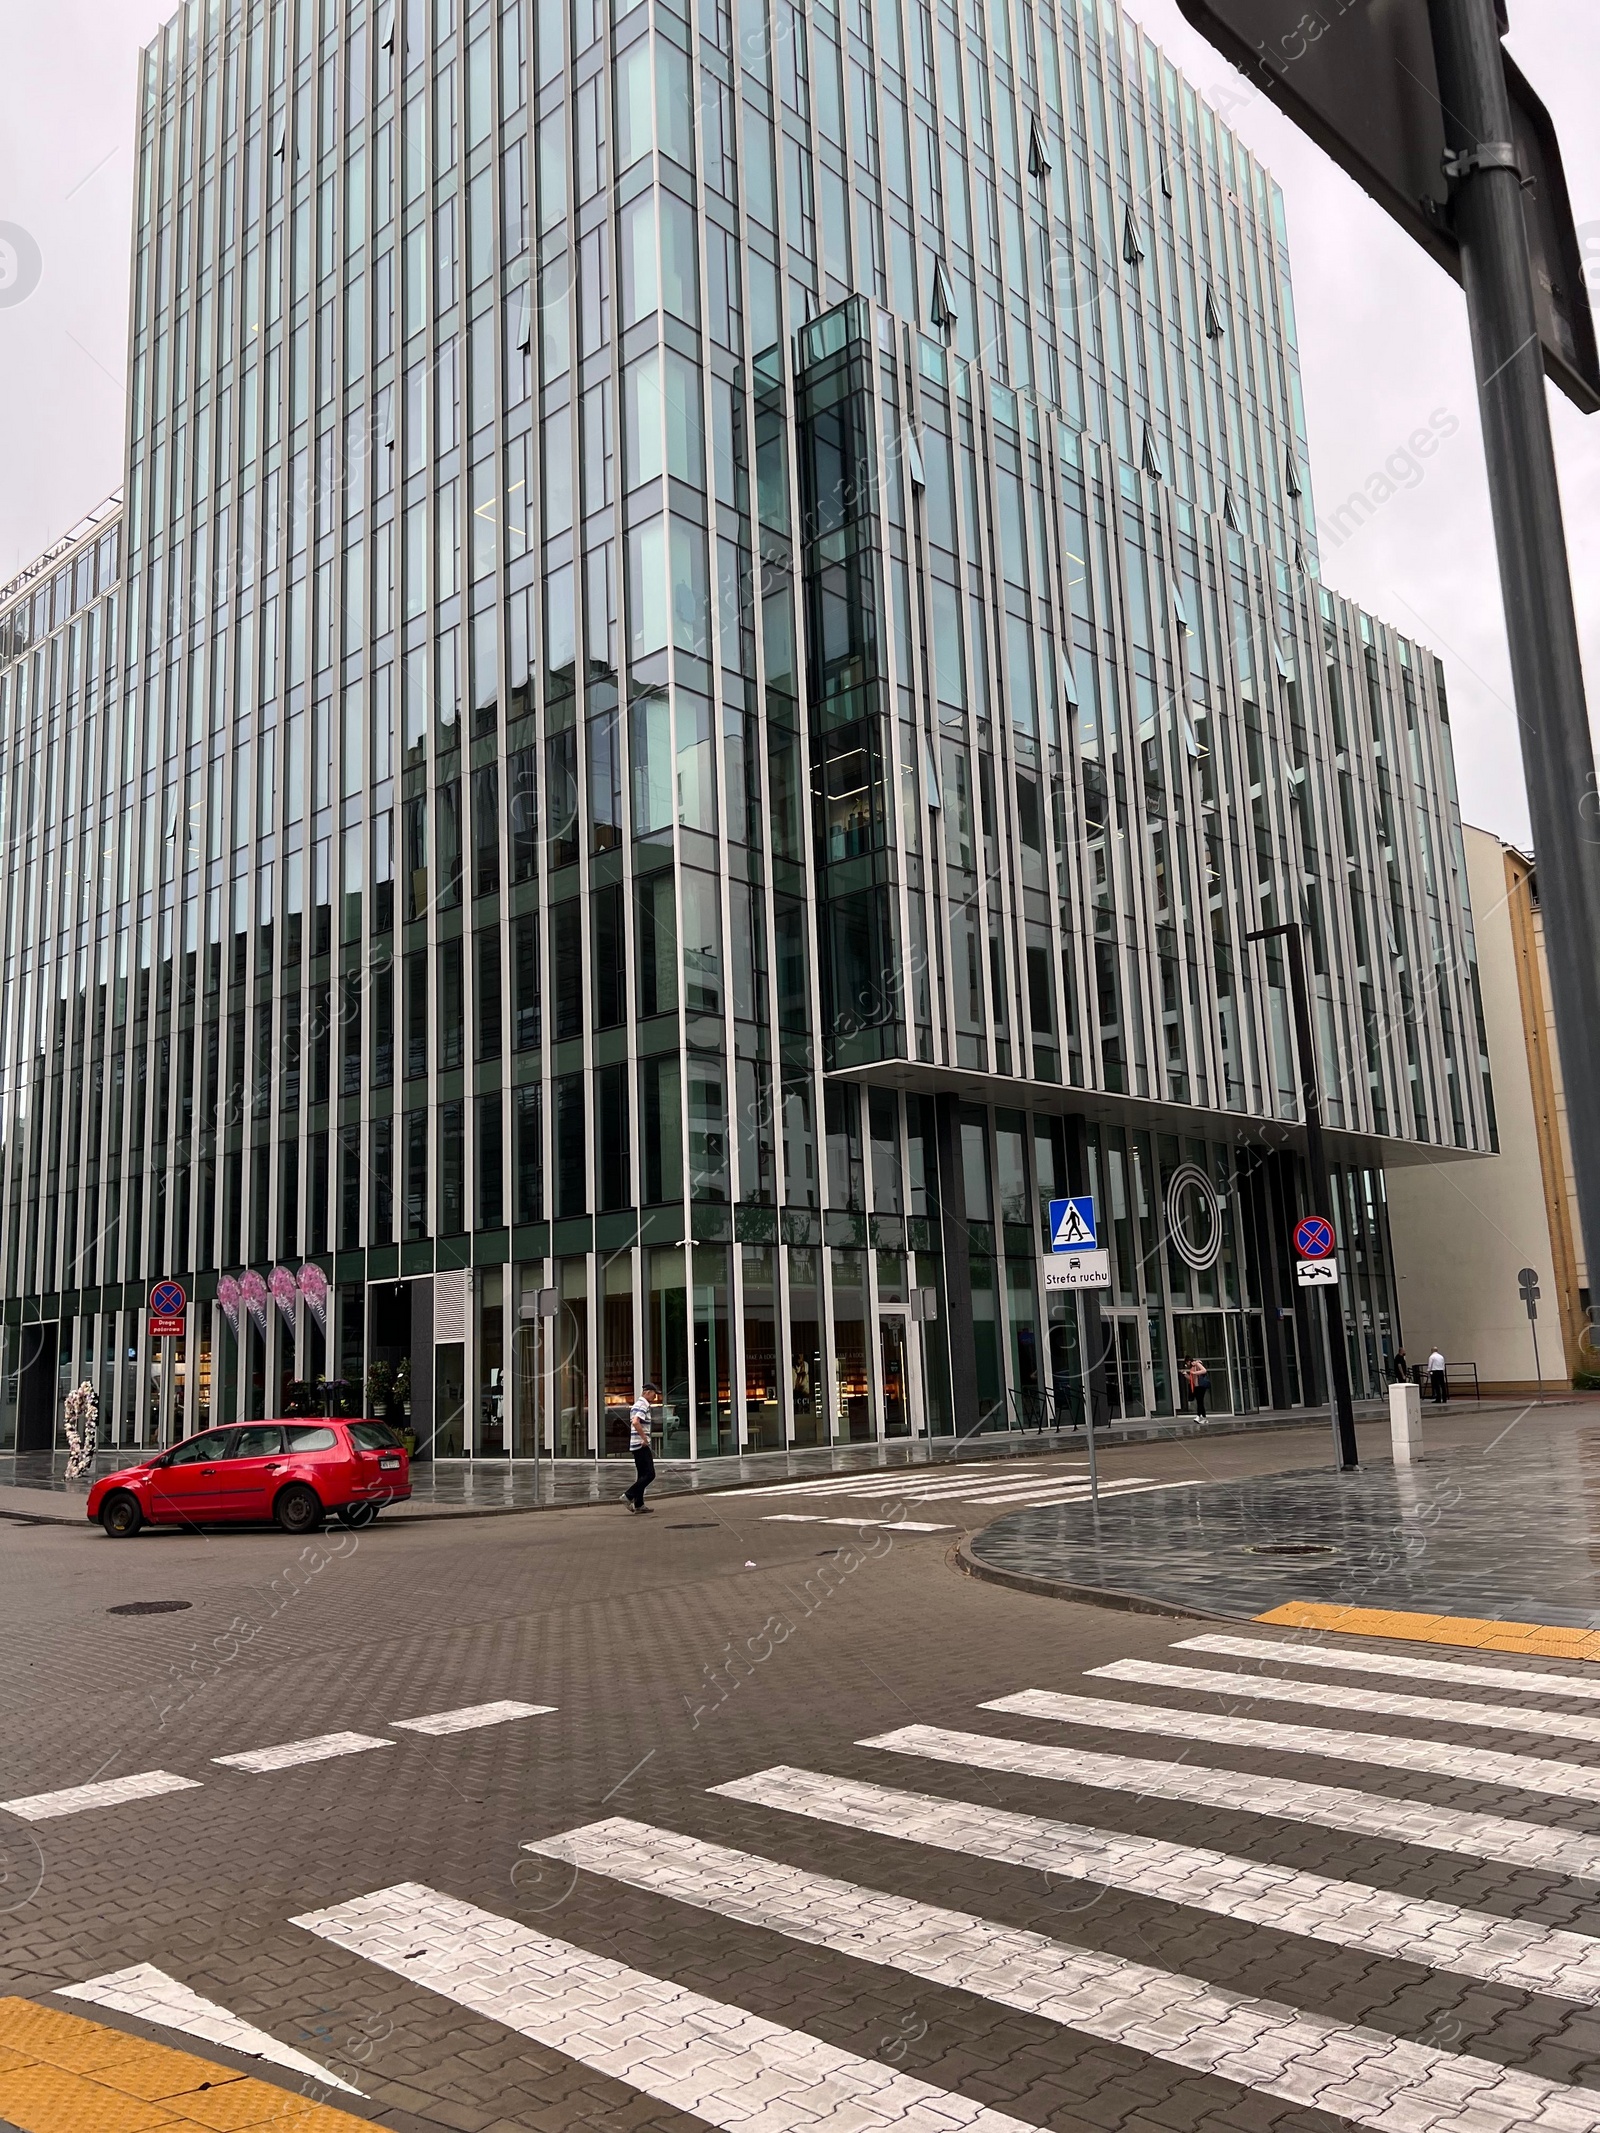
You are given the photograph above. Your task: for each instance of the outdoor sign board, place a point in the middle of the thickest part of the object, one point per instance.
(1359, 77)
(1077, 1270)
(167, 1305)
(1072, 1224)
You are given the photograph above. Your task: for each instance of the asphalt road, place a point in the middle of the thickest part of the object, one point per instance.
(1139, 1917)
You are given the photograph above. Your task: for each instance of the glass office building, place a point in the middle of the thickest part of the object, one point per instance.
(713, 644)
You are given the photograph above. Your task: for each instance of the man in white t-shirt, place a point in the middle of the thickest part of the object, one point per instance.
(639, 1444)
(1438, 1381)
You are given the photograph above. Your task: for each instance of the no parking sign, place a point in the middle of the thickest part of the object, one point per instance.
(167, 1306)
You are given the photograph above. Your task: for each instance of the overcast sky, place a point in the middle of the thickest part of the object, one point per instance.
(1383, 340)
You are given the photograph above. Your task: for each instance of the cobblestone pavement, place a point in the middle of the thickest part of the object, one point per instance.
(720, 1818)
(1501, 1521)
(34, 1485)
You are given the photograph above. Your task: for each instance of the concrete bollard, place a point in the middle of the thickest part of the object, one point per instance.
(1405, 1422)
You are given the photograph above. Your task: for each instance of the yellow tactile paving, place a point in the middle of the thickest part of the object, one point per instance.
(61, 2073)
(46, 2099)
(1539, 1640)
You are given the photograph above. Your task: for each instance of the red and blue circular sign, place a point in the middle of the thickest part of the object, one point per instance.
(1313, 1237)
(167, 1300)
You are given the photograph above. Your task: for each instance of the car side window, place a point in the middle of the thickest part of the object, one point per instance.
(302, 1439)
(373, 1436)
(258, 1442)
(213, 1445)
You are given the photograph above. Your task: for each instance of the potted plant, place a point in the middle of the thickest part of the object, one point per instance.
(401, 1420)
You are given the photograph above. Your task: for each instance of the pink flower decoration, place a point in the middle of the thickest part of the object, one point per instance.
(228, 1293)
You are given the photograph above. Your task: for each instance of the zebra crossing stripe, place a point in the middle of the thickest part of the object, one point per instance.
(1049, 1491)
(289, 1754)
(817, 1518)
(706, 2057)
(1335, 1696)
(103, 1792)
(470, 1717)
(939, 1477)
(1352, 1659)
(1361, 2075)
(1438, 1936)
(1572, 1853)
(1384, 1751)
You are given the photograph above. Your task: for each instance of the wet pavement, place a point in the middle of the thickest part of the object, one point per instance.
(484, 1487)
(1504, 1529)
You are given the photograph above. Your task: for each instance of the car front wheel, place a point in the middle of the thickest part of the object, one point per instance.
(298, 1509)
(120, 1516)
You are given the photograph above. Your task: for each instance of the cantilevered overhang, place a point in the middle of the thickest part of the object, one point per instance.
(1236, 1128)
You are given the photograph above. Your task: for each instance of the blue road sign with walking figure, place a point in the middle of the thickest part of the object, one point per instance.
(1072, 1225)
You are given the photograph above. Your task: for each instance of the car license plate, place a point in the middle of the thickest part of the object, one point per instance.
(388, 1462)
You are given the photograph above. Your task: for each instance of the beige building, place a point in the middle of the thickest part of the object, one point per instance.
(1462, 1231)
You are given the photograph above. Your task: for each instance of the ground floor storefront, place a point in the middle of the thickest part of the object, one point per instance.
(909, 1303)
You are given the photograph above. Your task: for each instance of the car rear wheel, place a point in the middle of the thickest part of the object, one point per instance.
(298, 1508)
(358, 1514)
(120, 1516)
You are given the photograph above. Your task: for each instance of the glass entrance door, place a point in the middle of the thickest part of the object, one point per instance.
(1247, 1361)
(1202, 1336)
(896, 1388)
(1127, 1354)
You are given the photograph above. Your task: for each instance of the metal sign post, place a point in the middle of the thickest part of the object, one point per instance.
(1535, 580)
(1419, 103)
(1528, 1290)
(1076, 1261)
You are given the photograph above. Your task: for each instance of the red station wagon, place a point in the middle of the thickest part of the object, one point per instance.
(293, 1472)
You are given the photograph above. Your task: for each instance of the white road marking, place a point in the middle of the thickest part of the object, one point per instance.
(1352, 1659)
(816, 1518)
(1335, 1696)
(1067, 1488)
(107, 1792)
(1361, 2075)
(471, 1716)
(1051, 1492)
(706, 2057)
(1439, 1936)
(1573, 1853)
(151, 1996)
(290, 1752)
(939, 1477)
(1384, 1751)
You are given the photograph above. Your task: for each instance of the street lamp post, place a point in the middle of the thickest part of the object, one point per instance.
(1344, 1424)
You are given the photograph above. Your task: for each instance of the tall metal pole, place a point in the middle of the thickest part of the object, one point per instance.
(1535, 581)
(1344, 1421)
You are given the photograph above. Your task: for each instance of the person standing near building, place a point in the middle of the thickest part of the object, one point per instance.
(1438, 1379)
(644, 1465)
(1199, 1387)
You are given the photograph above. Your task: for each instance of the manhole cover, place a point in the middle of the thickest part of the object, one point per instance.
(1291, 1548)
(150, 1607)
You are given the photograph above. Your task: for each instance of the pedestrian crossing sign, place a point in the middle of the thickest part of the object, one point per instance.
(1072, 1225)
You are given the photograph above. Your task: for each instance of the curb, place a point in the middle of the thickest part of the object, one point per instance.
(1131, 1603)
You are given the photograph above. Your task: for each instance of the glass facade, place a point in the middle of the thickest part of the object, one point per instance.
(714, 639)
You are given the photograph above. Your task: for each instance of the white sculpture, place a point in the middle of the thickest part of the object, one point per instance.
(83, 1429)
